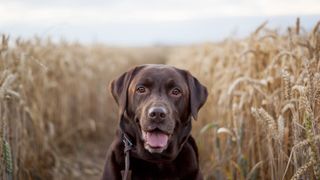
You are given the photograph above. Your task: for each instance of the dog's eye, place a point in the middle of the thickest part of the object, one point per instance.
(176, 92)
(141, 90)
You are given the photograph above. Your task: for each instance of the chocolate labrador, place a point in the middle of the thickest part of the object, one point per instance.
(156, 105)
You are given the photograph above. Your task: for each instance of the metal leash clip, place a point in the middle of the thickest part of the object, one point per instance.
(127, 143)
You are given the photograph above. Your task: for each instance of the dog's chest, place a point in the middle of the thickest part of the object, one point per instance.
(154, 171)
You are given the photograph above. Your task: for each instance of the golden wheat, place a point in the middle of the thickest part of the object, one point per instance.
(54, 96)
(261, 120)
(271, 78)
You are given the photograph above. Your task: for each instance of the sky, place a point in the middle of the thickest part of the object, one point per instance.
(145, 22)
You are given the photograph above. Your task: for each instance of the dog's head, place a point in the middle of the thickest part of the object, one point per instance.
(156, 105)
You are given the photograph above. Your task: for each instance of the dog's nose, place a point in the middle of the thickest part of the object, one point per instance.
(157, 113)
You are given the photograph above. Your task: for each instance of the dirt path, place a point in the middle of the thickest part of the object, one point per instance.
(86, 163)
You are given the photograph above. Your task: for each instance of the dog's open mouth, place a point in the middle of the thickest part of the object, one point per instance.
(155, 141)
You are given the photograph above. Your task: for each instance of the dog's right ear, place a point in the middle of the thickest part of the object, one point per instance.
(119, 88)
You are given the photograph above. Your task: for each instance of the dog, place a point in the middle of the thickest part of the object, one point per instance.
(156, 106)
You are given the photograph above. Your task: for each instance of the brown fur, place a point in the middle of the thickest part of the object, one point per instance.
(179, 160)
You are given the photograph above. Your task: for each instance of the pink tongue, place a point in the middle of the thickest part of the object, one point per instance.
(156, 139)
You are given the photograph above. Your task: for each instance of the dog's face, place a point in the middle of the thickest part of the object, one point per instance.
(158, 97)
(156, 105)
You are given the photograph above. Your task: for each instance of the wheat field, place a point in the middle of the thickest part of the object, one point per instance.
(261, 120)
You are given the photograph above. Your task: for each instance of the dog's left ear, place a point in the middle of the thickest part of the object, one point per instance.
(198, 95)
(119, 88)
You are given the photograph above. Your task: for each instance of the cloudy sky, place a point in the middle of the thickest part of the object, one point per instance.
(109, 20)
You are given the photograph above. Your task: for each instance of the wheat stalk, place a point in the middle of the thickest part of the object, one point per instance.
(302, 170)
(287, 84)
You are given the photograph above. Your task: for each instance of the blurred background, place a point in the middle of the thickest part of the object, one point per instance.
(144, 22)
(259, 59)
